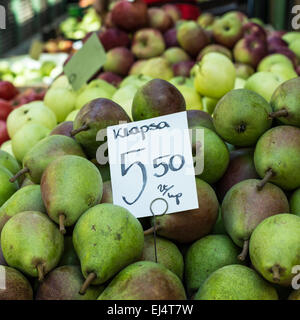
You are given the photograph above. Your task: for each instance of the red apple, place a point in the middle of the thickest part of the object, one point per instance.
(250, 50)
(172, 11)
(170, 37)
(298, 70)
(111, 78)
(254, 29)
(5, 109)
(27, 96)
(130, 16)
(3, 132)
(7, 90)
(183, 68)
(275, 42)
(119, 60)
(159, 19)
(113, 37)
(108, 22)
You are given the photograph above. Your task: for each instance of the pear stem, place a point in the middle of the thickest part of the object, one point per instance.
(62, 218)
(19, 174)
(269, 174)
(40, 269)
(150, 230)
(276, 273)
(278, 114)
(244, 252)
(83, 128)
(90, 278)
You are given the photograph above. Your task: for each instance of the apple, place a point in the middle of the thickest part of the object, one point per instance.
(227, 31)
(191, 37)
(5, 146)
(5, 109)
(7, 90)
(183, 68)
(205, 19)
(298, 70)
(275, 43)
(136, 80)
(214, 48)
(111, 78)
(295, 47)
(257, 21)
(130, 15)
(158, 68)
(243, 71)
(26, 138)
(172, 11)
(33, 112)
(3, 133)
(290, 37)
(137, 67)
(250, 50)
(273, 59)
(288, 53)
(95, 89)
(283, 72)
(264, 83)
(175, 55)
(148, 43)
(119, 60)
(276, 33)
(239, 83)
(255, 30)
(108, 21)
(61, 101)
(214, 75)
(170, 38)
(237, 14)
(159, 19)
(61, 82)
(178, 81)
(113, 37)
(209, 104)
(71, 116)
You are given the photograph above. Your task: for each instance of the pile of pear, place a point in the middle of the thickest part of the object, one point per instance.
(62, 238)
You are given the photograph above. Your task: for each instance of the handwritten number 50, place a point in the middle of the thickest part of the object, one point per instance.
(168, 166)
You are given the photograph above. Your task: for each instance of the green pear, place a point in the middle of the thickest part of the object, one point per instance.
(236, 282)
(93, 117)
(274, 248)
(295, 203)
(244, 207)
(168, 254)
(7, 189)
(219, 227)
(209, 104)
(285, 103)
(191, 225)
(71, 116)
(154, 282)
(206, 256)
(44, 152)
(26, 138)
(277, 155)
(27, 182)
(241, 117)
(106, 238)
(63, 283)
(16, 287)
(70, 185)
(7, 147)
(9, 162)
(33, 233)
(69, 257)
(28, 198)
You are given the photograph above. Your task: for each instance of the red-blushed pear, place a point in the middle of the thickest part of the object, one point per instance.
(250, 50)
(243, 71)
(227, 31)
(255, 30)
(205, 19)
(183, 68)
(111, 78)
(214, 48)
(172, 11)
(148, 43)
(241, 167)
(119, 60)
(159, 19)
(191, 37)
(65, 128)
(197, 119)
(113, 37)
(170, 38)
(130, 15)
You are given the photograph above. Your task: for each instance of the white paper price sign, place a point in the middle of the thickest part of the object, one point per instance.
(151, 166)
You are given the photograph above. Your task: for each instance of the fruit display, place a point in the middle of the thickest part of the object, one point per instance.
(61, 235)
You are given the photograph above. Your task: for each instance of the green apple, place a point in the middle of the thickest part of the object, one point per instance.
(124, 97)
(26, 138)
(137, 80)
(158, 68)
(284, 73)
(61, 101)
(72, 115)
(33, 112)
(214, 75)
(263, 83)
(7, 146)
(239, 83)
(175, 55)
(61, 82)
(209, 104)
(276, 58)
(182, 80)
(290, 37)
(295, 47)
